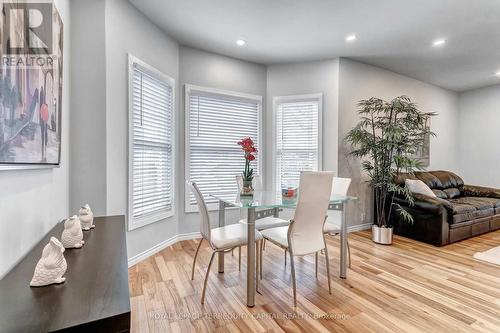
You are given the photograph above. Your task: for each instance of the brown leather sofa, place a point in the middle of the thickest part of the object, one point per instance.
(458, 212)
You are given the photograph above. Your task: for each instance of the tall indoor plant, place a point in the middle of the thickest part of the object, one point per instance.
(248, 147)
(386, 138)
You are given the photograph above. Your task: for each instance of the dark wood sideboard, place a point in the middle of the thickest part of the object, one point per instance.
(94, 297)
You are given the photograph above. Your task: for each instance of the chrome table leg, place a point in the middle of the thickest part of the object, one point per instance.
(251, 258)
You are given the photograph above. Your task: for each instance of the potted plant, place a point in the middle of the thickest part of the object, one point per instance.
(386, 138)
(248, 147)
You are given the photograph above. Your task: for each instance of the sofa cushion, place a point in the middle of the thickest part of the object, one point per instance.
(476, 202)
(470, 208)
(452, 192)
(460, 208)
(436, 180)
(440, 194)
(430, 180)
(448, 179)
(495, 203)
(457, 218)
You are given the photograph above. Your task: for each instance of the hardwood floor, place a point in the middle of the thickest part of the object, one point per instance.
(406, 287)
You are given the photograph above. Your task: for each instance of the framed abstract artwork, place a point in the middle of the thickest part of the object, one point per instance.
(31, 81)
(423, 153)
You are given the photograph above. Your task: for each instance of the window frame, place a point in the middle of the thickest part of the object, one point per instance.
(134, 223)
(188, 89)
(290, 99)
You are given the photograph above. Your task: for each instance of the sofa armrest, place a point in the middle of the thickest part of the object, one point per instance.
(427, 203)
(430, 219)
(481, 191)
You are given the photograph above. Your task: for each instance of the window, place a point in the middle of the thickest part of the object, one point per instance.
(297, 135)
(215, 121)
(151, 112)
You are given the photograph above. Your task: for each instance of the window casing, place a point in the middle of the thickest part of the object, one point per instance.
(151, 144)
(215, 121)
(297, 142)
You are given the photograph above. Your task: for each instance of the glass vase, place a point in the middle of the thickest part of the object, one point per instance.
(247, 188)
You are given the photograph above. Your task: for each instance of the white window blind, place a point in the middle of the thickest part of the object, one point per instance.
(216, 121)
(298, 141)
(151, 153)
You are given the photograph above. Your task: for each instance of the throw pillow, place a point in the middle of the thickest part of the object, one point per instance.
(419, 187)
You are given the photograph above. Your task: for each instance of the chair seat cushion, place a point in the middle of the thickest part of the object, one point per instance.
(268, 222)
(230, 236)
(331, 228)
(470, 208)
(277, 235)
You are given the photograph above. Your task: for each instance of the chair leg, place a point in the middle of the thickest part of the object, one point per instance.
(239, 258)
(316, 263)
(206, 278)
(293, 280)
(328, 269)
(261, 257)
(349, 252)
(195, 256)
(285, 258)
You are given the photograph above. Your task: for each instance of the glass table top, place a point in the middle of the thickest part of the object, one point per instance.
(269, 199)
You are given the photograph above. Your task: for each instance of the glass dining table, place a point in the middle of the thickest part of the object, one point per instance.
(270, 203)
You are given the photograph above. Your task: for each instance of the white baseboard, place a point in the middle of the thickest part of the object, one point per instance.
(195, 235)
(160, 246)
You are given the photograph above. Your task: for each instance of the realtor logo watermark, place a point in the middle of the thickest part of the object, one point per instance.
(26, 33)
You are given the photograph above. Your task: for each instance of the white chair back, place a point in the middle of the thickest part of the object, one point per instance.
(202, 206)
(257, 184)
(306, 231)
(340, 186)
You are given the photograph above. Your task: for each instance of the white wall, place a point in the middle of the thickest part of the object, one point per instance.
(129, 31)
(360, 81)
(123, 29)
(88, 105)
(33, 201)
(479, 140)
(307, 78)
(298, 79)
(215, 71)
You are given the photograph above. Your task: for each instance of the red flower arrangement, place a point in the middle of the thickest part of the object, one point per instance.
(247, 145)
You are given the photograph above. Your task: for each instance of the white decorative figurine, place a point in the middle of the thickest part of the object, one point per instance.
(51, 266)
(86, 217)
(72, 236)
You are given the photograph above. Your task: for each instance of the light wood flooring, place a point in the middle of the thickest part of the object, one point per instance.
(407, 287)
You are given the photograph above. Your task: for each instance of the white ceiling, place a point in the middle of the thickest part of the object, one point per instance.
(393, 34)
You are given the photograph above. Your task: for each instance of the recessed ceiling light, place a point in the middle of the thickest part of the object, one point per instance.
(240, 42)
(439, 42)
(350, 38)
(497, 73)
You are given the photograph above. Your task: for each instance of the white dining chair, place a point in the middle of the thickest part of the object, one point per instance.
(265, 222)
(340, 186)
(305, 233)
(222, 239)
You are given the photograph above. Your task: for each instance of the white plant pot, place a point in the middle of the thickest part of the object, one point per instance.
(382, 235)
